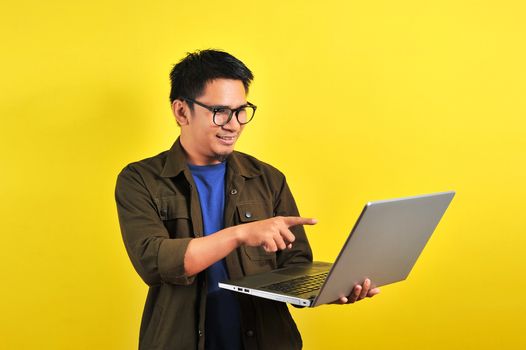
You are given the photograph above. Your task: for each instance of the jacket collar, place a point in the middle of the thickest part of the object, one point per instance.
(176, 163)
(238, 163)
(175, 160)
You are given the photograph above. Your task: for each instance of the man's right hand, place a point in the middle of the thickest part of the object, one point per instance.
(272, 234)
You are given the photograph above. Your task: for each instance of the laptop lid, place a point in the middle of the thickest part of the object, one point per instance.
(385, 243)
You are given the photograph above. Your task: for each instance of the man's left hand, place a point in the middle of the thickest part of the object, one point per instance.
(358, 293)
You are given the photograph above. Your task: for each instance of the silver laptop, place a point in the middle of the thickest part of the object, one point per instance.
(383, 246)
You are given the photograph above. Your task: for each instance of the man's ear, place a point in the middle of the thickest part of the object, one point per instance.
(180, 112)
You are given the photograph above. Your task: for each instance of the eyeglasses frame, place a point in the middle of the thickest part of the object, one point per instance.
(215, 109)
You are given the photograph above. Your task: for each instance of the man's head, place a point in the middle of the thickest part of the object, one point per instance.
(191, 74)
(204, 84)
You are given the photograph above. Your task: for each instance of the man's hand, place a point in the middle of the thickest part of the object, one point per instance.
(272, 234)
(358, 293)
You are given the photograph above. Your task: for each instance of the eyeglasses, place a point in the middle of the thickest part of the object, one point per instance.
(222, 115)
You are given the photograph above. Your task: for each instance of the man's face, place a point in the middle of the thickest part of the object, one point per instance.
(204, 142)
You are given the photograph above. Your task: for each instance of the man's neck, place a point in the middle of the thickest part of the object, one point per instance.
(194, 159)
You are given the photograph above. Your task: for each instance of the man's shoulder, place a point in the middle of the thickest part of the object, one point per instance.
(151, 165)
(255, 165)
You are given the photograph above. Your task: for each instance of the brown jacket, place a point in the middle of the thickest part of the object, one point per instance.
(159, 213)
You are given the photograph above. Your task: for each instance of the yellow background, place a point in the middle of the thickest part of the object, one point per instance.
(358, 100)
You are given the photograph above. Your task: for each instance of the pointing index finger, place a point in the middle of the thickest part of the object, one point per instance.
(297, 220)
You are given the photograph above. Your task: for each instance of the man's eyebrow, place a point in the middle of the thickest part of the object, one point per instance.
(222, 106)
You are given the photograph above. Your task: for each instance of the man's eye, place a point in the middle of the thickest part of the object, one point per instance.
(222, 111)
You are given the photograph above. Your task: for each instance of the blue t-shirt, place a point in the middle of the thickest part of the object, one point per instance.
(222, 324)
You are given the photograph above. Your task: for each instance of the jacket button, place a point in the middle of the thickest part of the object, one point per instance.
(248, 215)
(200, 332)
(233, 191)
(250, 333)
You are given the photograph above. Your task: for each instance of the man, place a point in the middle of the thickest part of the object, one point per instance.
(202, 212)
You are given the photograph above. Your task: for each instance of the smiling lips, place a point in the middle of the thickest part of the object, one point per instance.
(227, 139)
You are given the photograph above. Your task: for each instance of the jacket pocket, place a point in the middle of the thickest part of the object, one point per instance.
(249, 212)
(174, 213)
(258, 253)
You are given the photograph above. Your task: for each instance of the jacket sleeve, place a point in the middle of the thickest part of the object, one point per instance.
(301, 252)
(155, 256)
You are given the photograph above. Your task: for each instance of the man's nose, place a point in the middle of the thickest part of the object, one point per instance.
(233, 123)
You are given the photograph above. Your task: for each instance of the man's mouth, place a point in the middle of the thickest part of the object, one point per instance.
(227, 138)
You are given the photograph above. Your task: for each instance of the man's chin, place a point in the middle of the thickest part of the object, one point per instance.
(222, 156)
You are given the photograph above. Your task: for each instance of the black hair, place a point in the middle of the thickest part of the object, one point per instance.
(190, 75)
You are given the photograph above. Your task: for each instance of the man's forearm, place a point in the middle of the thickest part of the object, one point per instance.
(202, 252)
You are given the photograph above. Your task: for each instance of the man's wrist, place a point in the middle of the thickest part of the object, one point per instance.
(237, 235)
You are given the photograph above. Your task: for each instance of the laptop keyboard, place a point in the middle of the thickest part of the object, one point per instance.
(300, 285)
